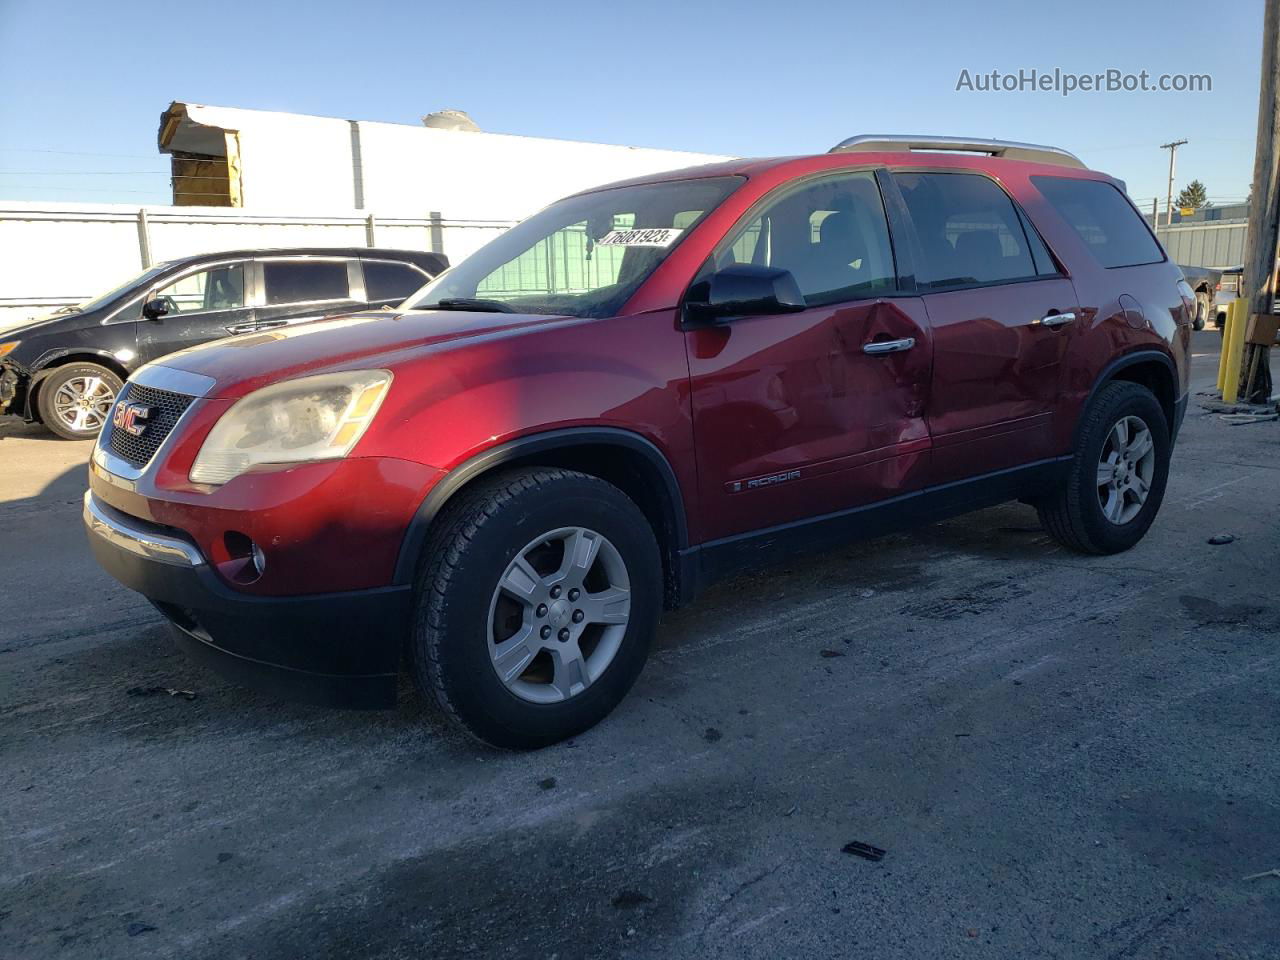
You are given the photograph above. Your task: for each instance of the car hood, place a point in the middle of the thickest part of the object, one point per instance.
(47, 324)
(370, 340)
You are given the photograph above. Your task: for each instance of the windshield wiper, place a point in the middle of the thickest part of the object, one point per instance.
(469, 303)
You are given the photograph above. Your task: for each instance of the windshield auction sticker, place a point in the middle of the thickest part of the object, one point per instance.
(653, 237)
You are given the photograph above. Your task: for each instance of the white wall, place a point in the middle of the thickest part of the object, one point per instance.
(489, 175)
(291, 161)
(298, 184)
(62, 253)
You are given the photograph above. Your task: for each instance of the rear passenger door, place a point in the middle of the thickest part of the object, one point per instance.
(298, 289)
(1001, 313)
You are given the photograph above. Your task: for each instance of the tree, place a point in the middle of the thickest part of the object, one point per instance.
(1193, 195)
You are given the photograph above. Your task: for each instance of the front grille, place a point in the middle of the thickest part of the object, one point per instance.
(166, 408)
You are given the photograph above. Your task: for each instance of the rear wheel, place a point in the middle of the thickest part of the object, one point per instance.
(536, 605)
(75, 400)
(1117, 475)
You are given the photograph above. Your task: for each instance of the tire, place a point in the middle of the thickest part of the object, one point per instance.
(461, 611)
(1202, 311)
(1075, 514)
(68, 408)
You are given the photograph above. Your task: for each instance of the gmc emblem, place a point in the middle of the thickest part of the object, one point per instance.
(132, 417)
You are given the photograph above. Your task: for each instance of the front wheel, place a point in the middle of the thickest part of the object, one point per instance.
(1202, 311)
(537, 602)
(75, 400)
(1116, 478)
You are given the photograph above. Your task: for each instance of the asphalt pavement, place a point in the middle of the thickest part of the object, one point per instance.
(1062, 756)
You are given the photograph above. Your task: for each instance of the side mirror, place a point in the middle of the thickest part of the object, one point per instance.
(742, 290)
(155, 309)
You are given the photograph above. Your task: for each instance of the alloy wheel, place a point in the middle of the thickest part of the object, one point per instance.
(558, 615)
(1126, 469)
(83, 403)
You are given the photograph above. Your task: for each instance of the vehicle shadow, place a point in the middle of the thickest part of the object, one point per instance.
(15, 426)
(118, 652)
(72, 630)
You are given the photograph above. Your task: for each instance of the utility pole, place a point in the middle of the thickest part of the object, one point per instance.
(1173, 152)
(1264, 215)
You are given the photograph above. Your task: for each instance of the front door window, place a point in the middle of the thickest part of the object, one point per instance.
(219, 288)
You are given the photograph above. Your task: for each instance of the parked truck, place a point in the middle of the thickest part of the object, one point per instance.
(1206, 282)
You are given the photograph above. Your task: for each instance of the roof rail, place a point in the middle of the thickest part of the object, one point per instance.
(1009, 149)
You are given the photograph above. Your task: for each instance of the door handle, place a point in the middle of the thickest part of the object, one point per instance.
(1056, 319)
(878, 347)
(242, 327)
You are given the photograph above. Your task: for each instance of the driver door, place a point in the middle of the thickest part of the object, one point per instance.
(797, 415)
(204, 304)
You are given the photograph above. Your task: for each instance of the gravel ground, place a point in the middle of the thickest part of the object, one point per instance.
(1063, 757)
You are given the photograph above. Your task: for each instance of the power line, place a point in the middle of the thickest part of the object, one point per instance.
(82, 173)
(79, 153)
(104, 173)
(41, 186)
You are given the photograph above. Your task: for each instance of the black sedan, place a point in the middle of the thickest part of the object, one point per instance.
(64, 371)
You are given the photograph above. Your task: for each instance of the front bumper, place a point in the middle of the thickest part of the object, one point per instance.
(8, 387)
(334, 649)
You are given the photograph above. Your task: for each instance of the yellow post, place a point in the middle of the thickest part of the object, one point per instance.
(1226, 339)
(1235, 352)
(1222, 346)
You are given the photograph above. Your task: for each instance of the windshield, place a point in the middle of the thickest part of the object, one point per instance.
(583, 256)
(110, 295)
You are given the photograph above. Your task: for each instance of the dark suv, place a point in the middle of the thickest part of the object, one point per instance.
(642, 388)
(66, 370)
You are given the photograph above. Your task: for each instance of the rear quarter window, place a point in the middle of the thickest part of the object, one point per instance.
(391, 281)
(1103, 218)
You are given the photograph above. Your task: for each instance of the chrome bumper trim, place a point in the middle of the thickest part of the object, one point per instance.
(114, 527)
(160, 377)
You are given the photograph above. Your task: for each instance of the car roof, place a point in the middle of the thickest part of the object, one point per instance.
(374, 253)
(810, 163)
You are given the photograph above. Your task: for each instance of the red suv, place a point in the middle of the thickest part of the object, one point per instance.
(642, 388)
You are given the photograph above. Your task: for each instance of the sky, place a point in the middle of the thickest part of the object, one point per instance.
(85, 82)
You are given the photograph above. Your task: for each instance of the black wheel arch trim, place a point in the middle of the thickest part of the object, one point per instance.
(496, 457)
(42, 367)
(51, 362)
(1144, 355)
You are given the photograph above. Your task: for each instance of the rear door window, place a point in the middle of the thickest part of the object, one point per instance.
(1103, 218)
(390, 281)
(969, 230)
(303, 281)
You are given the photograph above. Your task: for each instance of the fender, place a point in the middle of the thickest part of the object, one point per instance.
(89, 353)
(1108, 373)
(495, 457)
(41, 369)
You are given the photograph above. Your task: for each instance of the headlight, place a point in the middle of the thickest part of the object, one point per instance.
(7, 348)
(312, 418)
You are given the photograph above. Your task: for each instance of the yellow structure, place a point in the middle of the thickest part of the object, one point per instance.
(1233, 349)
(1222, 350)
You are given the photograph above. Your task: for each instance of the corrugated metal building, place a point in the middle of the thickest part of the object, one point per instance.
(1205, 244)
